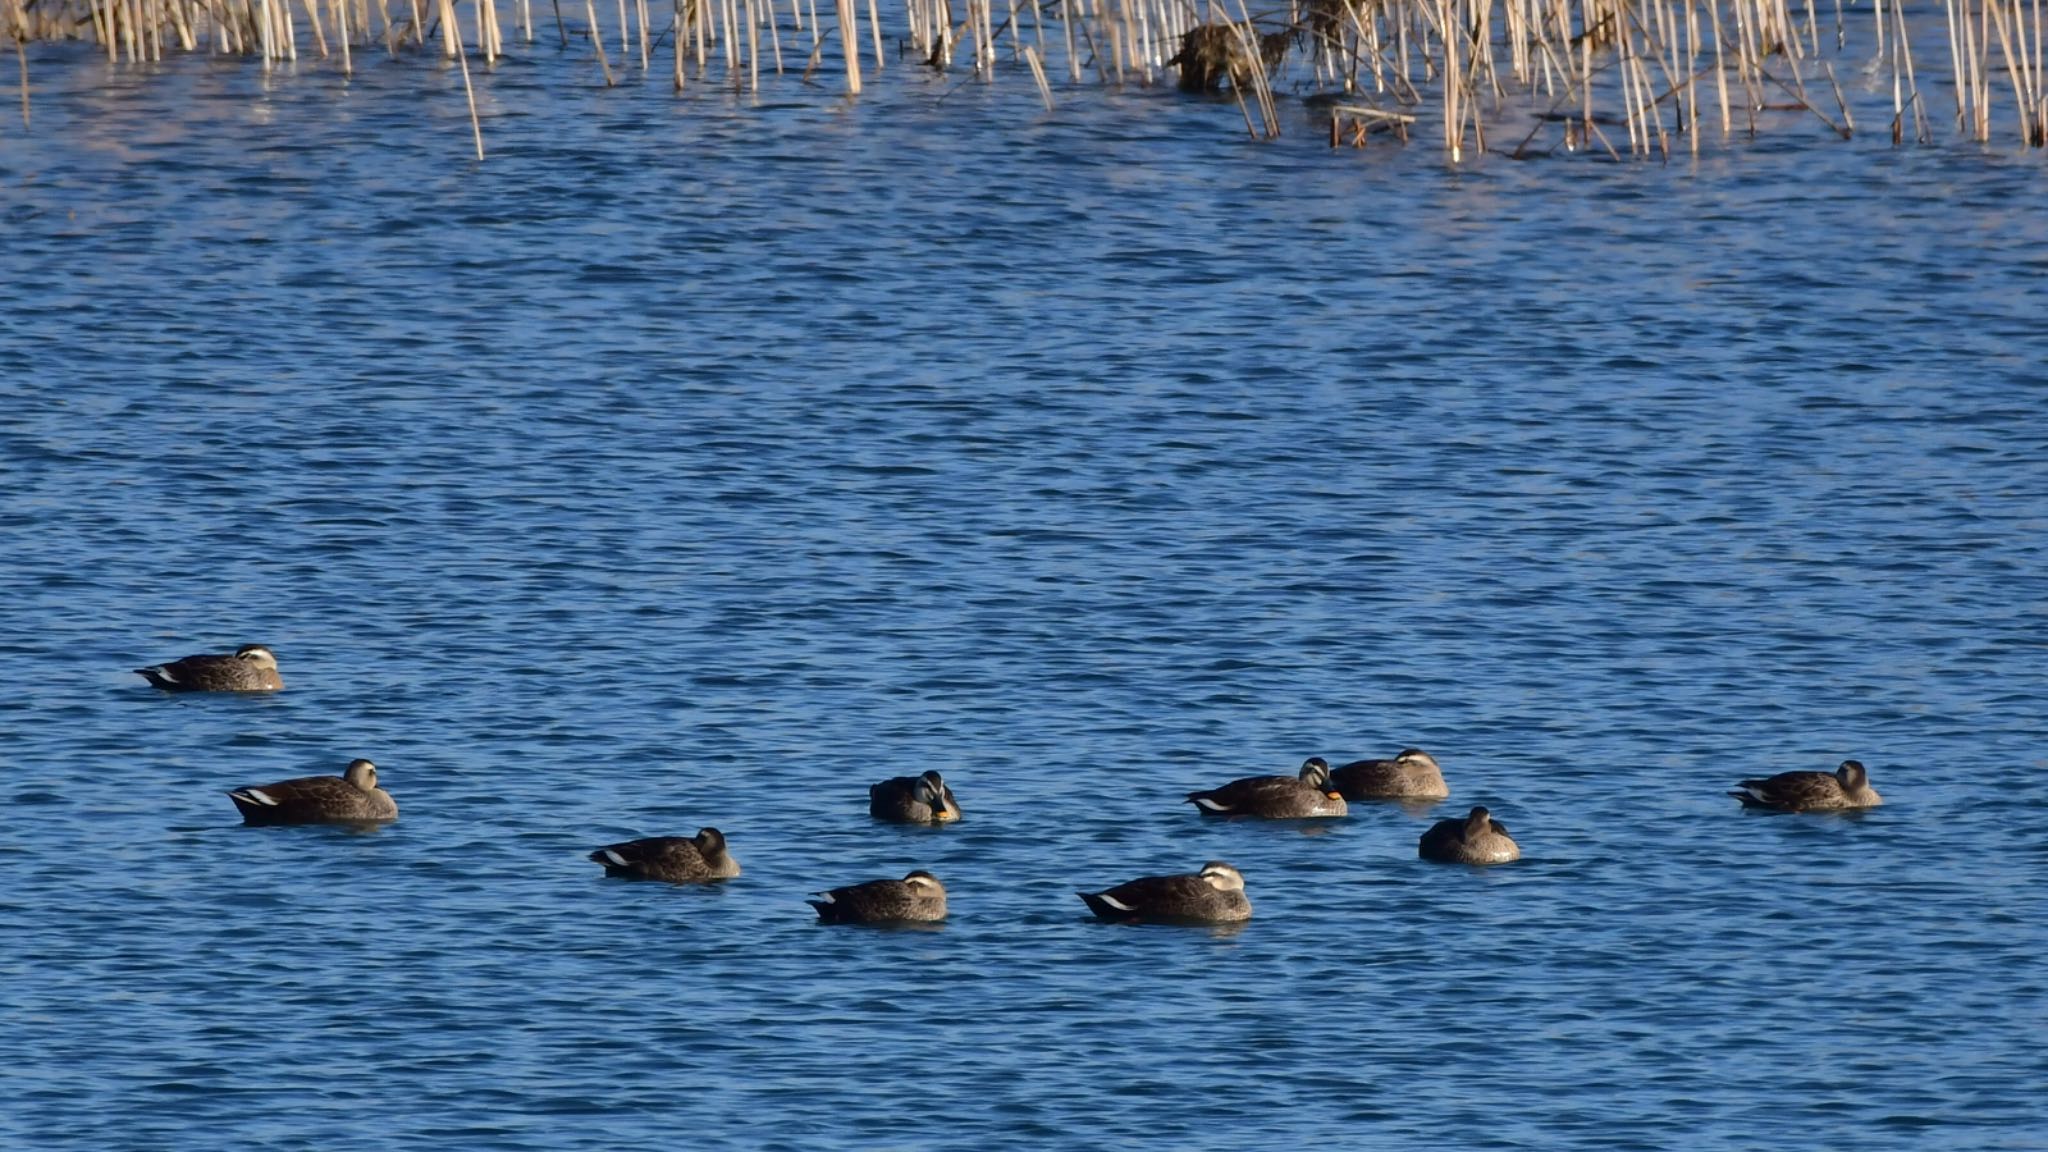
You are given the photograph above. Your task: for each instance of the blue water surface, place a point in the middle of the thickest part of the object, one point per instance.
(701, 460)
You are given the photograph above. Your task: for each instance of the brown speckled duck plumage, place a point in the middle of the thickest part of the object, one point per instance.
(1275, 797)
(917, 898)
(1411, 775)
(924, 799)
(1845, 787)
(1215, 895)
(250, 668)
(350, 798)
(676, 859)
(1476, 839)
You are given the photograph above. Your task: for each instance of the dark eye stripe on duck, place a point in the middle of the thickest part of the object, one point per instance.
(250, 668)
(350, 798)
(924, 799)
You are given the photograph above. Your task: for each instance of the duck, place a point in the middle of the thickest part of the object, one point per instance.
(1275, 797)
(918, 898)
(913, 800)
(250, 668)
(676, 859)
(350, 798)
(1411, 775)
(1215, 895)
(1845, 787)
(1476, 839)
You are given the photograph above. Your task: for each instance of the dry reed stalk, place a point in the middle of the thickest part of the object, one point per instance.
(874, 31)
(988, 36)
(102, 26)
(753, 48)
(319, 33)
(2029, 73)
(596, 41)
(1038, 74)
(1692, 74)
(1901, 50)
(341, 33)
(2040, 83)
(1631, 99)
(985, 50)
(1262, 86)
(730, 29)
(849, 46)
(2013, 70)
(1848, 120)
(1073, 57)
(1112, 30)
(639, 14)
(1650, 110)
(774, 33)
(679, 22)
(1982, 68)
(476, 125)
(1720, 68)
(1586, 80)
(1898, 101)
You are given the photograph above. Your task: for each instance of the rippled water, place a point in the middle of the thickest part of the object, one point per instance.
(693, 463)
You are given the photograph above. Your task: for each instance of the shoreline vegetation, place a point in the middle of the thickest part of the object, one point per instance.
(1635, 78)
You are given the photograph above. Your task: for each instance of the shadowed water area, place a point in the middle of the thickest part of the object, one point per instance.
(700, 462)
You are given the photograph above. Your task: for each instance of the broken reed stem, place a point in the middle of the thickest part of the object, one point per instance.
(475, 125)
(1038, 74)
(597, 42)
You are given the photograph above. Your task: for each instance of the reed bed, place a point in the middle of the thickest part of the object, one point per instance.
(1634, 78)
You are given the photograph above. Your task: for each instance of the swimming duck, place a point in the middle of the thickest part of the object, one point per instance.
(1215, 895)
(1412, 775)
(350, 798)
(250, 668)
(1845, 787)
(917, 898)
(1275, 797)
(1477, 839)
(913, 800)
(676, 859)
